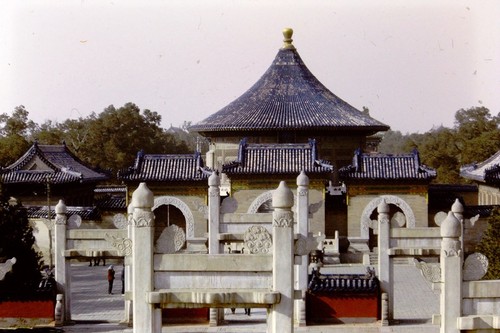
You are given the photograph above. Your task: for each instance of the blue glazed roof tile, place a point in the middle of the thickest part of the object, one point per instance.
(487, 171)
(277, 159)
(165, 167)
(60, 167)
(288, 97)
(386, 167)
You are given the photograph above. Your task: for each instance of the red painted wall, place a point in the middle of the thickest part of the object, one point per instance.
(185, 315)
(27, 309)
(339, 308)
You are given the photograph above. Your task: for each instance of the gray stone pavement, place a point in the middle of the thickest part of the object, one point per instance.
(93, 310)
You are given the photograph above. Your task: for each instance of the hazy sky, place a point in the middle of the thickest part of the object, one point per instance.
(413, 63)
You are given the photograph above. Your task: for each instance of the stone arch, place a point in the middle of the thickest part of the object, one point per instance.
(366, 223)
(254, 206)
(181, 205)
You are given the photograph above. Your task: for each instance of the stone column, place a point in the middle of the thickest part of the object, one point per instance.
(451, 274)
(282, 313)
(385, 261)
(142, 254)
(128, 270)
(62, 268)
(303, 261)
(458, 210)
(213, 213)
(216, 315)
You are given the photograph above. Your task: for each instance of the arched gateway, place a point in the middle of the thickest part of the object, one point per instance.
(366, 222)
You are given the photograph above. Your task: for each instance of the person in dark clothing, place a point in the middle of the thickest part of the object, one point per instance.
(123, 279)
(111, 278)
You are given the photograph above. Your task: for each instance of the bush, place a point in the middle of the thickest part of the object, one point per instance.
(17, 240)
(490, 245)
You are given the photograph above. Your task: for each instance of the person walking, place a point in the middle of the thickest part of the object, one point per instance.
(123, 279)
(111, 278)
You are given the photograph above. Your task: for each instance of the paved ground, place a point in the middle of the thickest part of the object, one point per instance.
(93, 310)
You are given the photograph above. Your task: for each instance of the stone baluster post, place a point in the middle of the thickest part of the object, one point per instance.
(281, 319)
(303, 231)
(458, 210)
(213, 213)
(213, 232)
(451, 274)
(385, 261)
(142, 244)
(62, 267)
(128, 270)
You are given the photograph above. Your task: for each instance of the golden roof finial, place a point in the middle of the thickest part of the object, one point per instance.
(287, 41)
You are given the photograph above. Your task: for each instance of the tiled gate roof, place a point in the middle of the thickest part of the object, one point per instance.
(387, 167)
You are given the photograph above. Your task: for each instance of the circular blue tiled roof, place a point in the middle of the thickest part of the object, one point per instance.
(288, 97)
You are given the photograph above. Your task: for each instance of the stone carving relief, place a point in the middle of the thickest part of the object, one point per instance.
(201, 208)
(313, 208)
(74, 221)
(143, 219)
(300, 246)
(451, 247)
(283, 219)
(120, 221)
(171, 240)
(61, 219)
(228, 205)
(258, 240)
(367, 223)
(398, 220)
(254, 207)
(431, 272)
(304, 245)
(469, 223)
(475, 267)
(261, 199)
(6, 267)
(122, 245)
(439, 217)
(188, 215)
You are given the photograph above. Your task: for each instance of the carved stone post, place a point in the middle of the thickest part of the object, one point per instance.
(213, 232)
(128, 270)
(458, 210)
(451, 274)
(303, 231)
(385, 261)
(281, 319)
(62, 268)
(213, 213)
(142, 243)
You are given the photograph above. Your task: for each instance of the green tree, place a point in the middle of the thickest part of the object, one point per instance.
(474, 137)
(113, 138)
(16, 240)
(477, 134)
(15, 131)
(489, 245)
(394, 142)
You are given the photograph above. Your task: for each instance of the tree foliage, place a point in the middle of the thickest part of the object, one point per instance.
(109, 140)
(16, 240)
(490, 246)
(474, 137)
(15, 131)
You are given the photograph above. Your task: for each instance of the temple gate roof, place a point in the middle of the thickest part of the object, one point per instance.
(163, 167)
(487, 171)
(387, 167)
(53, 163)
(290, 158)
